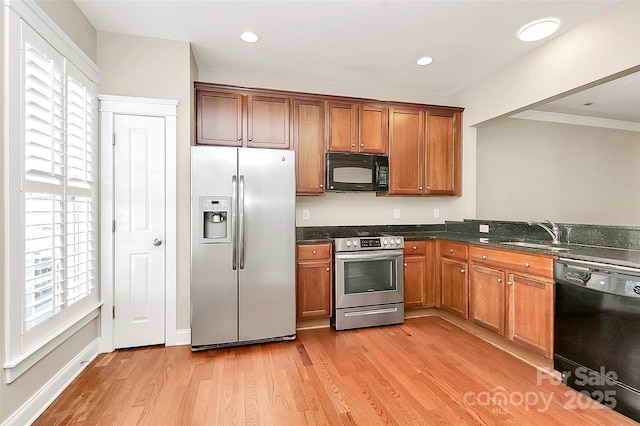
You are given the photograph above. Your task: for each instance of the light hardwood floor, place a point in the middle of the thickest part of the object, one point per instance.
(425, 371)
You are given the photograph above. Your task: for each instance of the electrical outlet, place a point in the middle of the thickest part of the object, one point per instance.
(305, 214)
(484, 228)
(396, 213)
(436, 213)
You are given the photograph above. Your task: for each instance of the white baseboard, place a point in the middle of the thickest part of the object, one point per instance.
(183, 337)
(39, 402)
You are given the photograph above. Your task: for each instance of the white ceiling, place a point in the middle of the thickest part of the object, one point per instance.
(371, 44)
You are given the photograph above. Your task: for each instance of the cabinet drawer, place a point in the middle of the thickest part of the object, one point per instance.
(415, 248)
(314, 251)
(454, 250)
(514, 261)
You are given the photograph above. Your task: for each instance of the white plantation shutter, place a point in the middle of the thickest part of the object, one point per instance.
(59, 189)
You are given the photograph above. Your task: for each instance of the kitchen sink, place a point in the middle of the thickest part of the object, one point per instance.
(535, 246)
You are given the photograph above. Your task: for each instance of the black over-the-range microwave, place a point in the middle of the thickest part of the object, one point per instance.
(357, 172)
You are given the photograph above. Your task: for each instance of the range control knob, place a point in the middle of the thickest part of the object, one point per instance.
(385, 242)
(348, 243)
(355, 243)
(398, 241)
(392, 242)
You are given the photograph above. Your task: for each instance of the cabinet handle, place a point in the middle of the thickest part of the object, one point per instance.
(314, 252)
(321, 186)
(428, 188)
(328, 269)
(450, 250)
(240, 139)
(249, 139)
(361, 144)
(420, 188)
(510, 282)
(415, 248)
(484, 256)
(527, 264)
(405, 265)
(463, 271)
(353, 144)
(499, 280)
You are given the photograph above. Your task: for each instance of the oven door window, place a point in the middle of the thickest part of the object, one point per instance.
(369, 276)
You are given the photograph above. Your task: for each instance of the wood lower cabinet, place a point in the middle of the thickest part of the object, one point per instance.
(309, 143)
(419, 277)
(487, 297)
(511, 294)
(455, 287)
(531, 313)
(314, 280)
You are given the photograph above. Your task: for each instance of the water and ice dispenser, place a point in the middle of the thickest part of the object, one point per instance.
(216, 219)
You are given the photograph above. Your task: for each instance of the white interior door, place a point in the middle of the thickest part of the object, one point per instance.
(139, 212)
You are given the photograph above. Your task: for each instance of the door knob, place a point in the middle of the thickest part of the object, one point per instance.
(157, 242)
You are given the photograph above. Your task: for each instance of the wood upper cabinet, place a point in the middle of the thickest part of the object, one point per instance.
(512, 295)
(314, 280)
(531, 313)
(373, 126)
(443, 153)
(343, 127)
(424, 152)
(406, 151)
(487, 298)
(309, 143)
(219, 118)
(358, 128)
(419, 285)
(236, 119)
(268, 122)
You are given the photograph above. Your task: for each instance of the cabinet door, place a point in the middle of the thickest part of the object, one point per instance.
(414, 281)
(454, 287)
(268, 122)
(310, 145)
(443, 170)
(219, 118)
(314, 289)
(406, 149)
(343, 130)
(531, 314)
(373, 129)
(487, 298)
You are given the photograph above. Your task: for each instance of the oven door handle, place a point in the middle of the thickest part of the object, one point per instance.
(369, 256)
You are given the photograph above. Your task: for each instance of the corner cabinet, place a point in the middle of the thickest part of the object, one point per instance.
(314, 280)
(425, 152)
(419, 279)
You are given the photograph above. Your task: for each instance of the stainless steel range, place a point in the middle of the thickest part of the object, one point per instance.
(369, 284)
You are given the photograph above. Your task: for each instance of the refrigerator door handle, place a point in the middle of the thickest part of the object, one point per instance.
(241, 219)
(234, 241)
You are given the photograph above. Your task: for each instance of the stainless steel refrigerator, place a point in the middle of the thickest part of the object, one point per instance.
(242, 246)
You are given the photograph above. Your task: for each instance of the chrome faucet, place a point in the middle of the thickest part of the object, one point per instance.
(554, 231)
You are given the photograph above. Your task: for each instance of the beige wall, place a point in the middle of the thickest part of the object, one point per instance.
(155, 68)
(67, 15)
(70, 18)
(604, 46)
(532, 170)
(4, 411)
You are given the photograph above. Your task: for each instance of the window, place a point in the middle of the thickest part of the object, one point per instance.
(53, 213)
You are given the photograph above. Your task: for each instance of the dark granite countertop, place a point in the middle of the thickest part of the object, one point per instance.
(586, 252)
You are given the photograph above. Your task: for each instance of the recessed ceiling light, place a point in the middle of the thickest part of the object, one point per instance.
(425, 60)
(538, 30)
(249, 37)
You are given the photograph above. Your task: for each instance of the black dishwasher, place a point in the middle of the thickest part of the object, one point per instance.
(597, 332)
